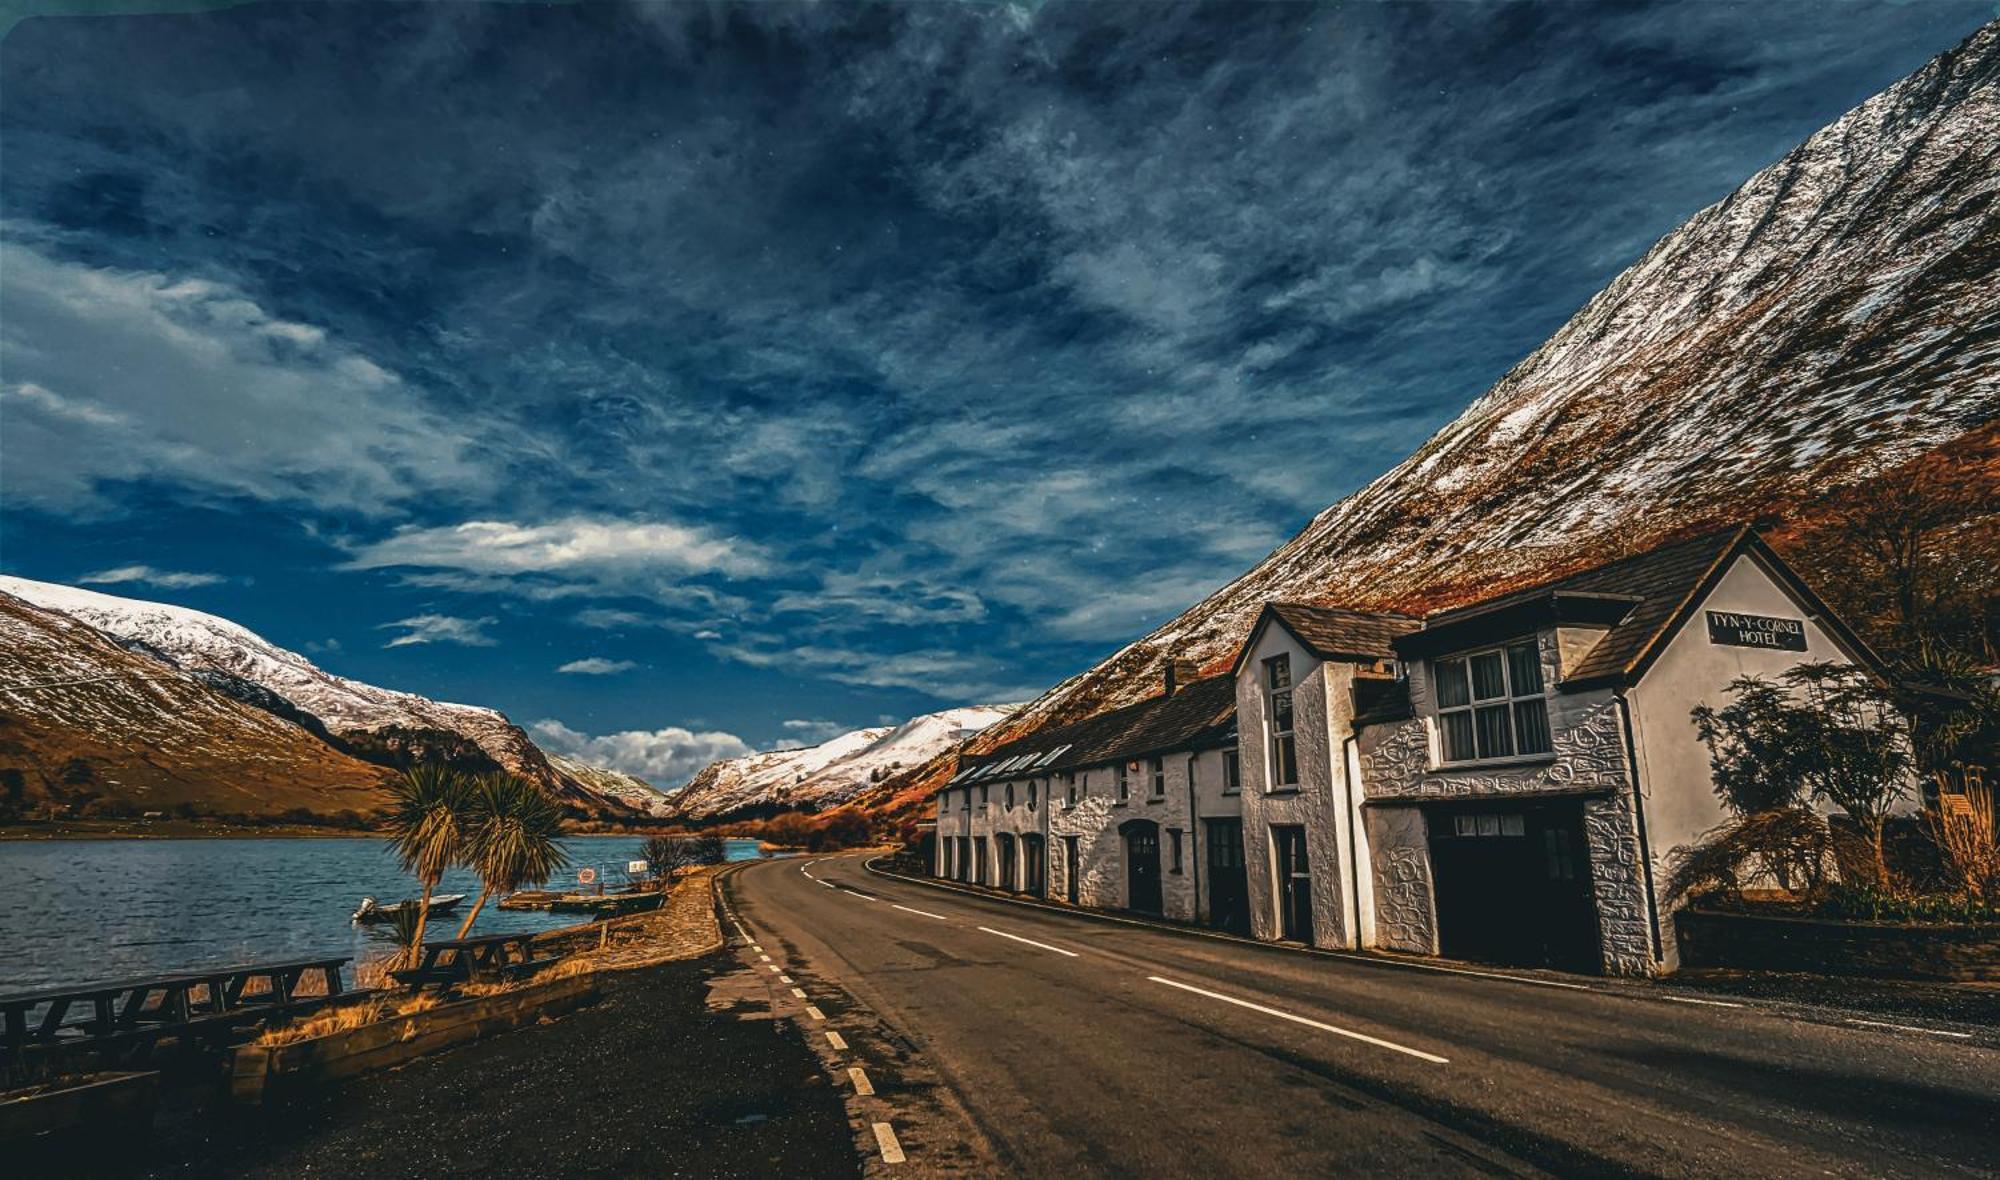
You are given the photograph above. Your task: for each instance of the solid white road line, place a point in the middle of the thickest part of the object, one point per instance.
(799, 992)
(1031, 942)
(1709, 1003)
(1936, 1032)
(828, 884)
(921, 913)
(1349, 1033)
(885, 1138)
(836, 1040)
(815, 1013)
(862, 1085)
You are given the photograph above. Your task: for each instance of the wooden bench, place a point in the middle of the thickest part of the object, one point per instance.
(450, 962)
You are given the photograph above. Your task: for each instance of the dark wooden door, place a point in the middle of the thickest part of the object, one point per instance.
(1228, 887)
(1513, 885)
(1034, 869)
(1072, 868)
(1007, 879)
(979, 860)
(1142, 865)
(1295, 899)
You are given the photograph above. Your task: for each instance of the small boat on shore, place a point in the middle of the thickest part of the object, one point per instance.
(599, 905)
(370, 911)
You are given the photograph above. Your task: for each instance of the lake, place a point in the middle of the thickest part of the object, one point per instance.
(77, 911)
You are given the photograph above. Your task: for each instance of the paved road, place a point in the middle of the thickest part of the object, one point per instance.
(1068, 1045)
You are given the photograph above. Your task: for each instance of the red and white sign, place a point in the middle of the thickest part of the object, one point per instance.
(586, 876)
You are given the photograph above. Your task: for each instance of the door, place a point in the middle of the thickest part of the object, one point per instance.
(964, 865)
(1006, 843)
(1142, 865)
(1513, 884)
(1034, 871)
(1072, 868)
(979, 860)
(1228, 887)
(1295, 898)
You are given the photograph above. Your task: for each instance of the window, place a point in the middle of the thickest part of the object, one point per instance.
(1069, 789)
(1278, 719)
(1174, 850)
(985, 793)
(1232, 772)
(1034, 789)
(1488, 825)
(1490, 704)
(1124, 781)
(1008, 799)
(966, 804)
(1159, 778)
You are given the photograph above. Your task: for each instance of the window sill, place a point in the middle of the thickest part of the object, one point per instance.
(1494, 763)
(1121, 803)
(1156, 799)
(1280, 791)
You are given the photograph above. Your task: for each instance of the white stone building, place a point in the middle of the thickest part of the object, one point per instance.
(1498, 782)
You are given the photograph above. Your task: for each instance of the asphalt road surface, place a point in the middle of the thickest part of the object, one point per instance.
(1000, 1038)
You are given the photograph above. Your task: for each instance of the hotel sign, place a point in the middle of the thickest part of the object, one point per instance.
(1734, 630)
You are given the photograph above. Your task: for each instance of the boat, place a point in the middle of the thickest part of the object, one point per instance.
(370, 911)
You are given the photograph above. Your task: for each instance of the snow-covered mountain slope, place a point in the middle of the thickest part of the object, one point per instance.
(379, 724)
(1836, 315)
(830, 773)
(628, 789)
(86, 721)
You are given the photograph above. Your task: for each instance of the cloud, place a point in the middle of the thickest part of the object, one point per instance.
(126, 374)
(146, 574)
(814, 732)
(597, 551)
(596, 666)
(432, 628)
(664, 757)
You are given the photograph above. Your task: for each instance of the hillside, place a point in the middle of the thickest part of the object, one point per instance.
(829, 774)
(83, 721)
(629, 789)
(377, 725)
(1834, 318)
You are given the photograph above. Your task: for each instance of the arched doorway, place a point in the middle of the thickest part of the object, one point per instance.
(1004, 847)
(1142, 864)
(1034, 866)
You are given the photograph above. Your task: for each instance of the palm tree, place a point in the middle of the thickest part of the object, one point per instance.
(512, 840)
(427, 827)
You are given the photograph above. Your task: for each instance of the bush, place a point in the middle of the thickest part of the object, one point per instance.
(1791, 846)
(668, 855)
(1963, 826)
(1876, 903)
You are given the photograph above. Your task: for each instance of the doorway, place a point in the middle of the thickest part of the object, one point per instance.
(1005, 844)
(1034, 867)
(1142, 865)
(1072, 869)
(1513, 884)
(1228, 885)
(964, 865)
(979, 860)
(1295, 899)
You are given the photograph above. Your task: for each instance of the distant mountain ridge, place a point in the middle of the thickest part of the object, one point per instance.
(373, 725)
(829, 774)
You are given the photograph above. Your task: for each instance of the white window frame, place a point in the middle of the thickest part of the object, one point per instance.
(1511, 700)
(1158, 771)
(1287, 739)
(1125, 782)
(1232, 772)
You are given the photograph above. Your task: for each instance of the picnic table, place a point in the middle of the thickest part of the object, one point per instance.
(141, 1011)
(453, 961)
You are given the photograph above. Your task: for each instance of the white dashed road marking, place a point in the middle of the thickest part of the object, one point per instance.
(862, 896)
(784, 979)
(1935, 1032)
(836, 1040)
(1338, 1031)
(766, 958)
(799, 992)
(862, 1085)
(920, 913)
(1694, 1000)
(815, 1013)
(885, 1138)
(771, 967)
(1031, 942)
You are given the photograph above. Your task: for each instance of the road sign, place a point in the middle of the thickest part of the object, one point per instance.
(635, 867)
(586, 876)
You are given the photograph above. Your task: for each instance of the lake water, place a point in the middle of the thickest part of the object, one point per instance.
(76, 911)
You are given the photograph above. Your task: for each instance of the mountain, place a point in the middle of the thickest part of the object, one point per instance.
(376, 725)
(84, 721)
(629, 789)
(1835, 316)
(829, 774)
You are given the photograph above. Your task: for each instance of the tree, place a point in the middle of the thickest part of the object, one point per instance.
(668, 855)
(1824, 732)
(430, 808)
(513, 838)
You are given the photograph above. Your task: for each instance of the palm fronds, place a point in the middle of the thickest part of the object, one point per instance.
(512, 839)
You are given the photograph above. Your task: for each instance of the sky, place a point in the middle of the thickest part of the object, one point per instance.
(686, 379)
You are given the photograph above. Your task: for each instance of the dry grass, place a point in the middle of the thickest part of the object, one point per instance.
(1962, 825)
(347, 1017)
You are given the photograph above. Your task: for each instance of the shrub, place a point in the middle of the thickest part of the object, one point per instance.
(1962, 825)
(668, 855)
(1793, 846)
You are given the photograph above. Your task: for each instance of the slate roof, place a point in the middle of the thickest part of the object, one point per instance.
(1641, 600)
(1333, 633)
(1199, 716)
(1378, 699)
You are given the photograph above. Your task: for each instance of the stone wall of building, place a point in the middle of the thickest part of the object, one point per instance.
(1405, 909)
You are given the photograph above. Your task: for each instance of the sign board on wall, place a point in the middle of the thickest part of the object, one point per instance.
(1738, 630)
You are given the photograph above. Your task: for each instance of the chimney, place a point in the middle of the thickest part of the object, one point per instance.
(1179, 674)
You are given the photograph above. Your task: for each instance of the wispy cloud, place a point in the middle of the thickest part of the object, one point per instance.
(147, 575)
(596, 666)
(430, 628)
(663, 757)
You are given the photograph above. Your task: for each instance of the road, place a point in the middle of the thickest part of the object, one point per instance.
(1001, 1037)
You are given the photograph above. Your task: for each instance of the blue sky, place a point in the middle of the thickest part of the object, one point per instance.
(697, 378)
